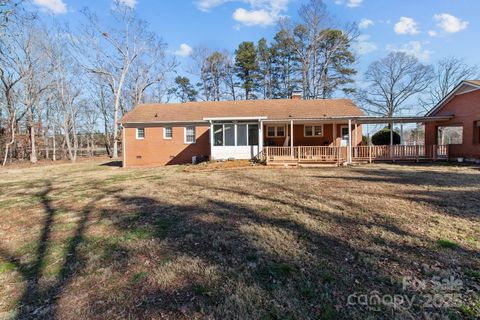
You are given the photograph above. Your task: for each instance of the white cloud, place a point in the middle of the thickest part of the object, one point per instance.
(354, 3)
(365, 23)
(406, 26)
(54, 6)
(349, 3)
(449, 23)
(414, 48)
(259, 12)
(129, 3)
(253, 17)
(206, 5)
(363, 45)
(432, 33)
(184, 51)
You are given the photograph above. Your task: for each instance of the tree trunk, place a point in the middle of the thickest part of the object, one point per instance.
(12, 139)
(54, 143)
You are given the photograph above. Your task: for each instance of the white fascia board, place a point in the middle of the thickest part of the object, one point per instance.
(234, 118)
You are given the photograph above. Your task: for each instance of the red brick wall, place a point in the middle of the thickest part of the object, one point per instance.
(300, 140)
(466, 108)
(154, 150)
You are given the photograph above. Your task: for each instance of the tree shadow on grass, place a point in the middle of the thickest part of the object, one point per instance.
(311, 281)
(224, 258)
(458, 203)
(39, 300)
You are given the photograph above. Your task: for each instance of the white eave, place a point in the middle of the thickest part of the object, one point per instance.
(234, 118)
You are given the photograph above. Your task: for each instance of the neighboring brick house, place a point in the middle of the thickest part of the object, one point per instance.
(462, 131)
(163, 134)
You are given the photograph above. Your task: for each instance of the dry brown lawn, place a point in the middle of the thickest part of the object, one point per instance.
(96, 241)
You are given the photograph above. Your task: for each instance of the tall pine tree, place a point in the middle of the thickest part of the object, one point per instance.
(246, 67)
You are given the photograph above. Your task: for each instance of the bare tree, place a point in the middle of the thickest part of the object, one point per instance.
(229, 78)
(199, 69)
(35, 81)
(11, 76)
(391, 82)
(66, 80)
(150, 69)
(323, 52)
(449, 72)
(101, 97)
(111, 52)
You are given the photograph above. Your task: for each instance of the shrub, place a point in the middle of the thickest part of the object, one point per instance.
(382, 137)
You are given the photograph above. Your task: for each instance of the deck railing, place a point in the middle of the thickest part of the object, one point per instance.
(359, 153)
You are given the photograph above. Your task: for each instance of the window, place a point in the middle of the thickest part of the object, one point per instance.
(275, 131)
(218, 135)
(241, 134)
(280, 131)
(140, 133)
(450, 135)
(313, 131)
(229, 134)
(189, 134)
(253, 134)
(242, 138)
(167, 133)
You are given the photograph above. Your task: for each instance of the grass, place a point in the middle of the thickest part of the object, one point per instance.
(204, 242)
(445, 243)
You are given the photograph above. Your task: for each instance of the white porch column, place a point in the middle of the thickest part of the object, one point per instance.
(260, 136)
(291, 138)
(211, 139)
(391, 133)
(349, 160)
(334, 134)
(391, 141)
(401, 134)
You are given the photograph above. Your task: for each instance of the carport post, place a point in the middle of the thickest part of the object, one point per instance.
(349, 160)
(391, 141)
(291, 139)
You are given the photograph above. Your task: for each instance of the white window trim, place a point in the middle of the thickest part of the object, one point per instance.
(276, 133)
(185, 135)
(136, 134)
(313, 130)
(165, 133)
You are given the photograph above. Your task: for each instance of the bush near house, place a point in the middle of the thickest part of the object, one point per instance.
(382, 137)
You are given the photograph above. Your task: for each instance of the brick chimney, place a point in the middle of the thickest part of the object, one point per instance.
(297, 95)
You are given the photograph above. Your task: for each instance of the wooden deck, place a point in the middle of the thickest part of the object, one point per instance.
(336, 156)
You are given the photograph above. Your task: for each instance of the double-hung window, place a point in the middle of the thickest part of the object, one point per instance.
(275, 131)
(167, 133)
(190, 134)
(313, 130)
(140, 133)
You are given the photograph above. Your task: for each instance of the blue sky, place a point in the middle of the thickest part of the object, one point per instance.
(429, 29)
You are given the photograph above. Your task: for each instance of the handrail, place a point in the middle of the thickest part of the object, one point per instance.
(359, 153)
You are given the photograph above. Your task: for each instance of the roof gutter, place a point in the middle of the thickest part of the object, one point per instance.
(235, 118)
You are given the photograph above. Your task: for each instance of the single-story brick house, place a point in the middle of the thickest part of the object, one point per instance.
(163, 134)
(462, 131)
(293, 131)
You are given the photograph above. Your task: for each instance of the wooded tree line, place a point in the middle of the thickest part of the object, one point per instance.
(311, 55)
(62, 91)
